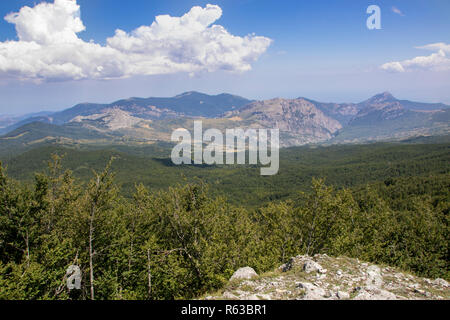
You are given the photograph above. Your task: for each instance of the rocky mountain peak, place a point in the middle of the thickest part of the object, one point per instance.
(383, 106)
(383, 97)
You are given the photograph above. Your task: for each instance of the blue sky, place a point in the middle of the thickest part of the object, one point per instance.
(321, 50)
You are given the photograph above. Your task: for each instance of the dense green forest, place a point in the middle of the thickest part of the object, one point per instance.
(140, 228)
(341, 165)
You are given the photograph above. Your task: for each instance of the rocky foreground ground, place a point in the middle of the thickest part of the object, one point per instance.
(325, 278)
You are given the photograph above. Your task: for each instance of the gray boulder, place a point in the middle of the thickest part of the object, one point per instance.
(246, 273)
(440, 282)
(372, 293)
(374, 277)
(306, 263)
(342, 295)
(312, 292)
(312, 266)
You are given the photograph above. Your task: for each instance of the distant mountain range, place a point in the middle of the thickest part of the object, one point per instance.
(188, 104)
(301, 121)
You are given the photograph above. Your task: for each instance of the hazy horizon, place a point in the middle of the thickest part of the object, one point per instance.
(211, 94)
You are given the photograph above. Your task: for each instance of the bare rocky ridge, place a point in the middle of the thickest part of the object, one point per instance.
(113, 119)
(343, 112)
(325, 278)
(299, 120)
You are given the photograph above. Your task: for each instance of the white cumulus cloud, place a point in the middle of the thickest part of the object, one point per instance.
(49, 48)
(397, 11)
(437, 61)
(436, 47)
